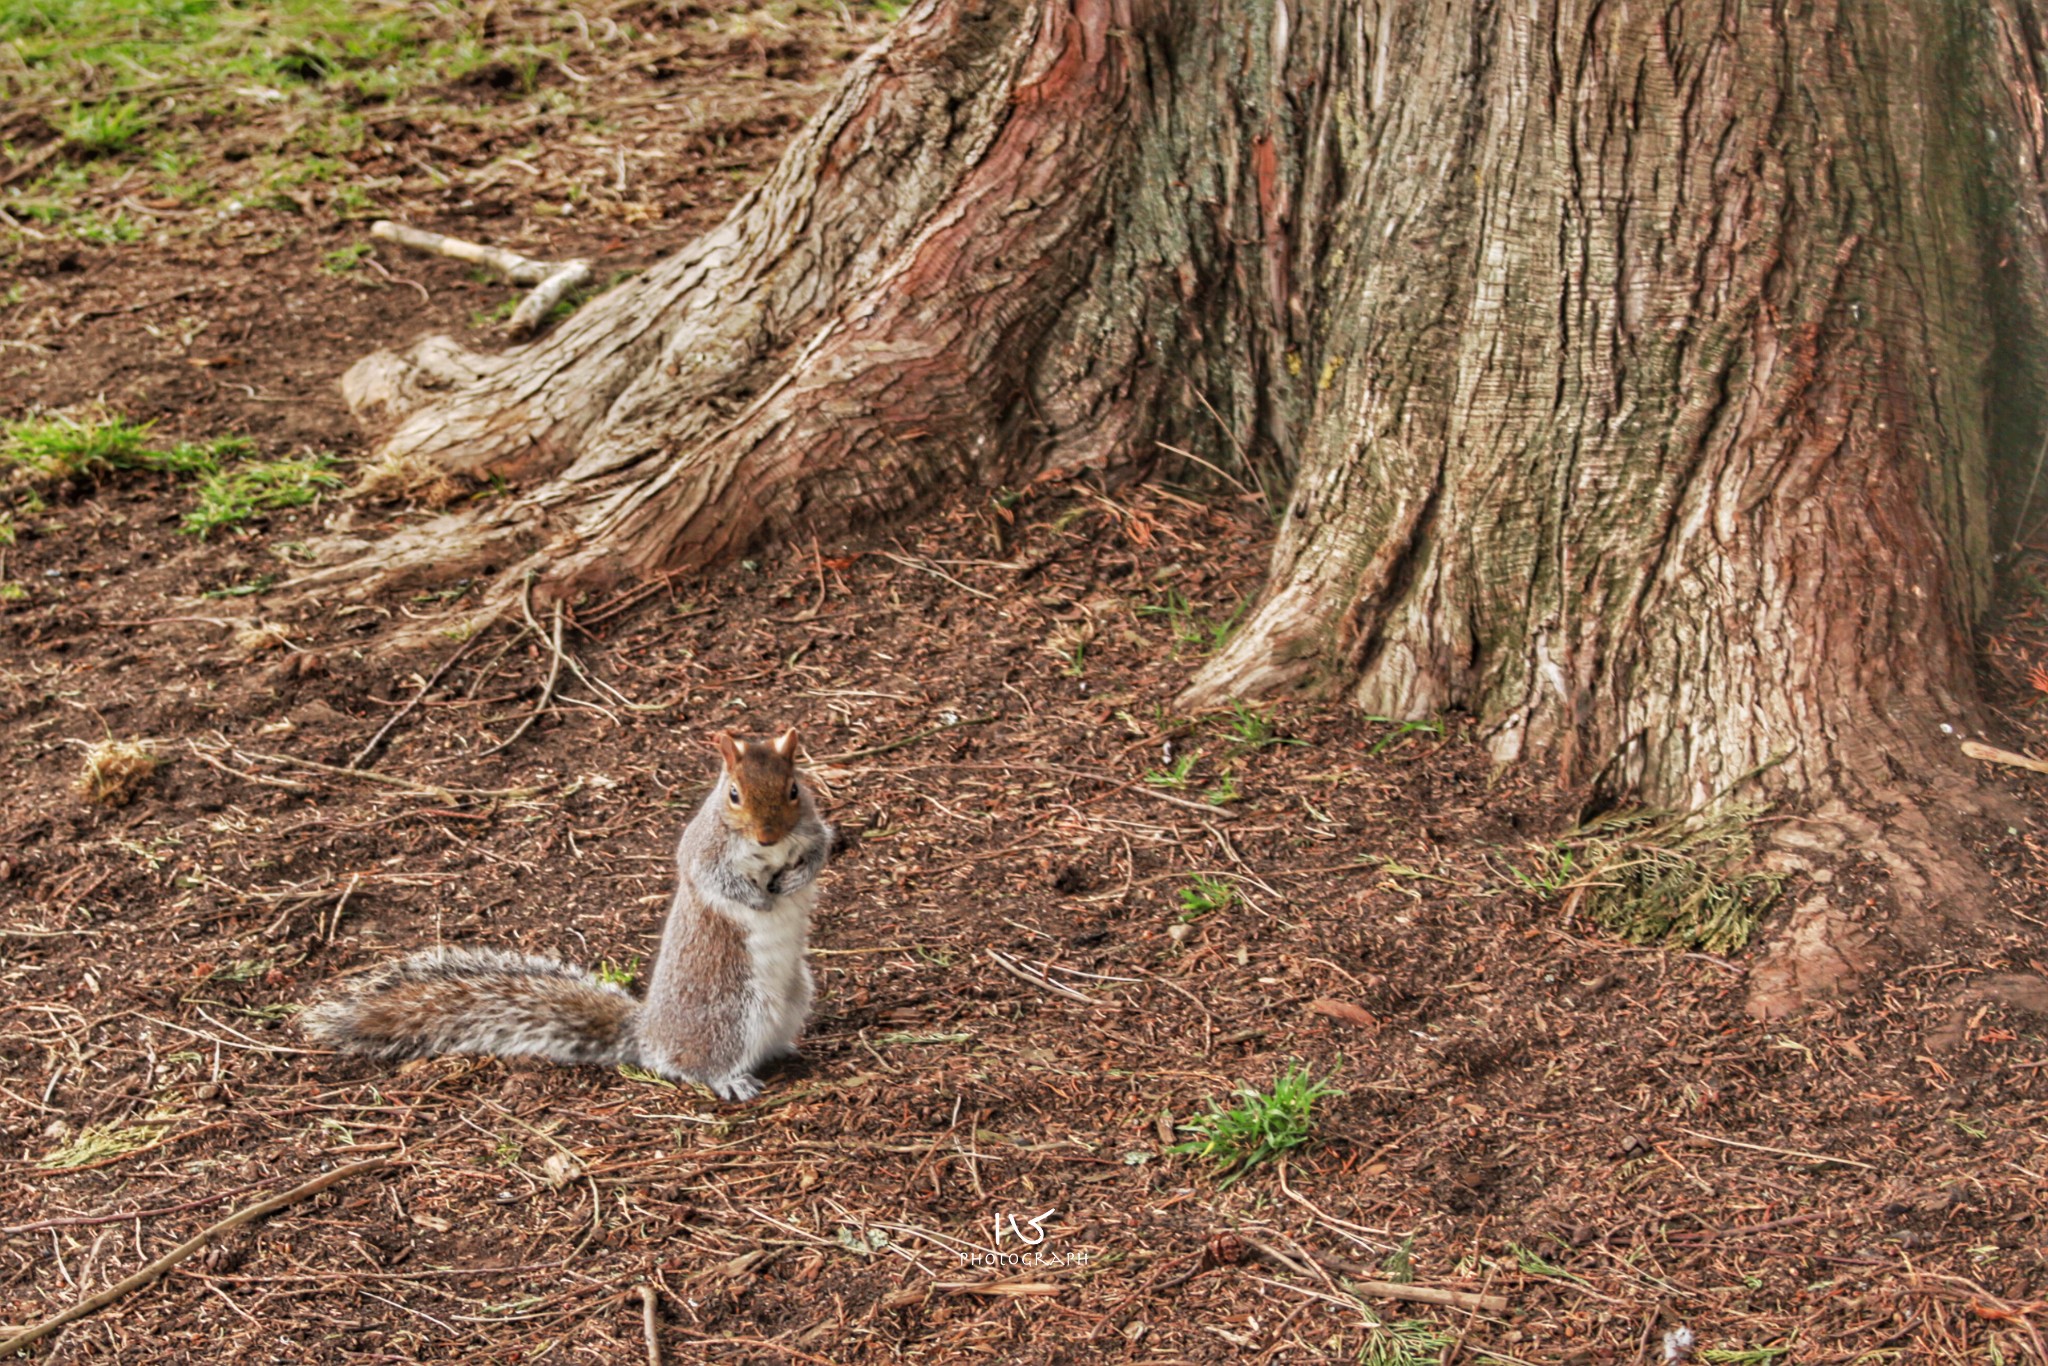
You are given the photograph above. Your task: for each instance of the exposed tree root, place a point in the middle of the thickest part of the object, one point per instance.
(1823, 952)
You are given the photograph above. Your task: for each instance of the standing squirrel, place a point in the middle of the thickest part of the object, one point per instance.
(729, 989)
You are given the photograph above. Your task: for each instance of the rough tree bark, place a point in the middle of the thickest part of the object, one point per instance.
(1644, 373)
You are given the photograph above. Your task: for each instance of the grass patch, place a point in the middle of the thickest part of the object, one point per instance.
(1261, 1126)
(92, 445)
(103, 129)
(1404, 731)
(230, 496)
(231, 488)
(342, 260)
(1251, 729)
(51, 449)
(262, 583)
(1175, 775)
(171, 81)
(1653, 877)
(1192, 628)
(1205, 895)
(494, 316)
(98, 1142)
(138, 43)
(1405, 1342)
(106, 229)
(619, 975)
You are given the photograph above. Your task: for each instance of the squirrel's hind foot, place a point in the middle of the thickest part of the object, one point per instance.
(738, 1087)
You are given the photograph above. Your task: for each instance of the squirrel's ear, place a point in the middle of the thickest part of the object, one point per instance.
(727, 751)
(785, 744)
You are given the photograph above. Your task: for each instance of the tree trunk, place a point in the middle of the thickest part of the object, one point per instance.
(1643, 374)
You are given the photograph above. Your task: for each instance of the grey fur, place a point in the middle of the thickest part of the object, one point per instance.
(480, 1001)
(714, 1012)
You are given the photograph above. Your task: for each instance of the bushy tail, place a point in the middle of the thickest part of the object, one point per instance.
(478, 1001)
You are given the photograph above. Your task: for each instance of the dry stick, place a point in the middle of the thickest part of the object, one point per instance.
(520, 270)
(937, 573)
(1143, 789)
(533, 309)
(365, 774)
(327, 933)
(550, 279)
(872, 750)
(1043, 983)
(647, 1322)
(261, 780)
(375, 740)
(1218, 469)
(547, 689)
(32, 160)
(1386, 1290)
(29, 1337)
(123, 1216)
(2003, 756)
(1779, 1152)
(293, 903)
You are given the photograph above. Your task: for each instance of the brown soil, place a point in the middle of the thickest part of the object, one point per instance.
(1592, 1130)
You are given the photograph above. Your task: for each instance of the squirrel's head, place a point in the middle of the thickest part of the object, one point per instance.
(759, 791)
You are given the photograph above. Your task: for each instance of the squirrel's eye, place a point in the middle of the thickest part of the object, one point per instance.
(733, 793)
(792, 791)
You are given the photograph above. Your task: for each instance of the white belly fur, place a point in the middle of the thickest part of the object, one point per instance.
(779, 986)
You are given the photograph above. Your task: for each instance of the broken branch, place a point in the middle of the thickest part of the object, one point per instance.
(1991, 755)
(551, 280)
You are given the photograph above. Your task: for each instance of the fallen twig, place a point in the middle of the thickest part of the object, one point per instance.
(533, 309)
(551, 280)
(547, 690)
(872, 750)
(647, 1322)
(364, 754)
(437, 790)
(93, 1304)
(1992, 755)
(123, 1216)
(1385, 1290)
(1038, 979)
(937, 573)
(1779, 1152)
(1001, 1289)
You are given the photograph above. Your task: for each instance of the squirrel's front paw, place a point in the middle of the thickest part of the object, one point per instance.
(790, 879)
(739, 1086)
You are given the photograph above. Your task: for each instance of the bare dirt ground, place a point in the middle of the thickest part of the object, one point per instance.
(1059, 942)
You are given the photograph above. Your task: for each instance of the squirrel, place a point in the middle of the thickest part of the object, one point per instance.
(729, 990)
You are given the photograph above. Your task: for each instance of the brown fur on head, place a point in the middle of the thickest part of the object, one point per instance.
(758, 787)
